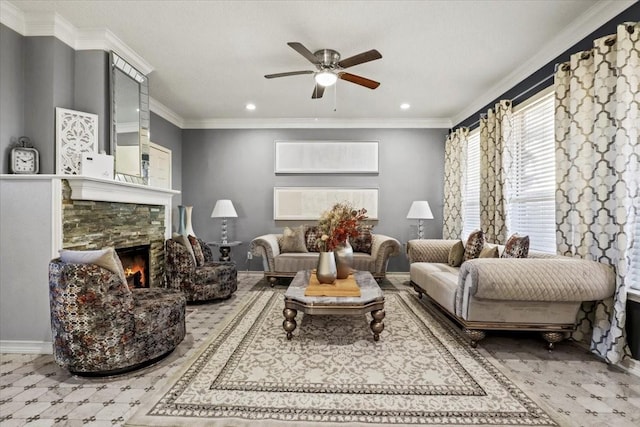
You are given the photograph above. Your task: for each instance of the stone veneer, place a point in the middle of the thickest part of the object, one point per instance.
(90, 224)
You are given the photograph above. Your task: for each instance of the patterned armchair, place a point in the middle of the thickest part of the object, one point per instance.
(209, 281)
(101, 327)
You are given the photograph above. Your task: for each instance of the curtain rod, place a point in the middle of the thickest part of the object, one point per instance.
(521, 94)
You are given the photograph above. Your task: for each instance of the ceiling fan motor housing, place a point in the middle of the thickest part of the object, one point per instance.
(328, 58)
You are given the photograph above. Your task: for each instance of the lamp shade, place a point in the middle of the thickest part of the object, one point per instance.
(224, 209)
(420, 210)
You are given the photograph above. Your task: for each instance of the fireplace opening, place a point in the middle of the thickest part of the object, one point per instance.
(135, 261)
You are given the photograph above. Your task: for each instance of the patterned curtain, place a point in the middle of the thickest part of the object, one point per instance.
(455, 163)
(598, 173)
(495, 140)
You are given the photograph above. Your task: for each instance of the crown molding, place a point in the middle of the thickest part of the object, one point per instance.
(12, 17)
(581, 27)
(52, 24)
(303, 123)
(166, 113)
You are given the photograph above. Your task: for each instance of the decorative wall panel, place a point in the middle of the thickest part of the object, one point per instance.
(324, 157)
(76, 133)
(308, 203)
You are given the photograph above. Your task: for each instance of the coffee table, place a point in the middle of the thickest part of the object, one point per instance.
(371, 300)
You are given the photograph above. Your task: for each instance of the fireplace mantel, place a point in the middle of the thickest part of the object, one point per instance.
(85, 188)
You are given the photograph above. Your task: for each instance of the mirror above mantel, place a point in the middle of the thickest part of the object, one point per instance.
(129, 121)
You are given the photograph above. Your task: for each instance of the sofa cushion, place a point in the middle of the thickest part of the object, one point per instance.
(296, 261)
(456, 253)
(197, 250)
(516, 247)
(311, 237)
(293, 240)
(363, 241)
(474, 245)
(489, 251)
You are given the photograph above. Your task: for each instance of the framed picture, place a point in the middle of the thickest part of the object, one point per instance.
(325, 157)
(76, 133)
(308, 203)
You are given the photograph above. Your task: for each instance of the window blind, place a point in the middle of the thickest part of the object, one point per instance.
(634, 274)
(531, 202)
(471, 200)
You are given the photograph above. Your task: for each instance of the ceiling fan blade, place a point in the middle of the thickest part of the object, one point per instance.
(360, 58)
(298, 47)
(290, 73)
(359, 80)
(318, 91)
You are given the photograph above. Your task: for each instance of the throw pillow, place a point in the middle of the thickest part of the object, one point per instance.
(311, 238)
(474, 245)
(293, 240)
(517, 247)
(364, 240)
(106, 258)
(489, 251)
(456, 253)
(197, 251)
(184, 241)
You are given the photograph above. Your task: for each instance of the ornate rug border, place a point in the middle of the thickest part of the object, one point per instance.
(143, 416)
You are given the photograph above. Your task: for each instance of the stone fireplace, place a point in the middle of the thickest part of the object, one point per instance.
(95, 224)
(135, 262)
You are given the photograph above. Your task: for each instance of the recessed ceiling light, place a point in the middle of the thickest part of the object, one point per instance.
(405, 106)
(250, 107)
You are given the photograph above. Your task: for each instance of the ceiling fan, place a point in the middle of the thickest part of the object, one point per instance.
(329, 68)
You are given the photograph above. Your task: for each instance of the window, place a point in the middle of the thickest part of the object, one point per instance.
(531, 203)
(471, 199)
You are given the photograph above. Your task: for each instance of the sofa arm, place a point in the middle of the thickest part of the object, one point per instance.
(558, 279)
(267, 247)
(429, 250)
(383, 247)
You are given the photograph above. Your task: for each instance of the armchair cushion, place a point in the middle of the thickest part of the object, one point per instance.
(105, 258)
(184, 241)
(197, 250)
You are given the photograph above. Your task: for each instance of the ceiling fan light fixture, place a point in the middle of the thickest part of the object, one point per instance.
(325, 78)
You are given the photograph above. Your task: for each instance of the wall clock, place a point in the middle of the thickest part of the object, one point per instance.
(24, 158)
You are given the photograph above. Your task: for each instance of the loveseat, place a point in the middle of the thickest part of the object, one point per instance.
(542, 292)
(371, 253)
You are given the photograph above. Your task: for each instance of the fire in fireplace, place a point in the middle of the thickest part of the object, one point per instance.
(135, 261)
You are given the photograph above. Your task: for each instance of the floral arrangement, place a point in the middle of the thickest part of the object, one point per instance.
(338, 224)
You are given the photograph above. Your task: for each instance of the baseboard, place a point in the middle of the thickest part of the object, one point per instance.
(631, 366)
(26, 347)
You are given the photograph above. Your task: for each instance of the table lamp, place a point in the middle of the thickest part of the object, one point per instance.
(224, 209)
(420, 210)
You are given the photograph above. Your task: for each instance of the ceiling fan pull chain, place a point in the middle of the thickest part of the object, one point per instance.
(335, 98)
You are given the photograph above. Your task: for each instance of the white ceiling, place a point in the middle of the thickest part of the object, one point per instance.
(446, 58)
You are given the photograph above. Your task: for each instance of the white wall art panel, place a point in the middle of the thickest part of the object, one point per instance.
(76, 133)
(308, 203)
(322, 157)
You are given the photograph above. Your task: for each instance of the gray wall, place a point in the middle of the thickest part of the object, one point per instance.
(11, 90)
(38, 74)
(170, 136)
(91, 90)
(239, 164)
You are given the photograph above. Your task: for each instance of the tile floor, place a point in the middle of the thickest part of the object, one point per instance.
(34, 391)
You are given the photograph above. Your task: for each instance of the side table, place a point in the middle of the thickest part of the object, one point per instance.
(225, 248)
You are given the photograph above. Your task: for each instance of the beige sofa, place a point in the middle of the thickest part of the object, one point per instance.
(542, 292)
(277, 264)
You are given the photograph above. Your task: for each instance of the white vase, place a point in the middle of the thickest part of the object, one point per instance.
(184, 223)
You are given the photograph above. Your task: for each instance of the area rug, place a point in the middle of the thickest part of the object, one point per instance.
(422, 371)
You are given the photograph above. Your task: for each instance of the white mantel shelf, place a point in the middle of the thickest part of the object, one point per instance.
(105, 190)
